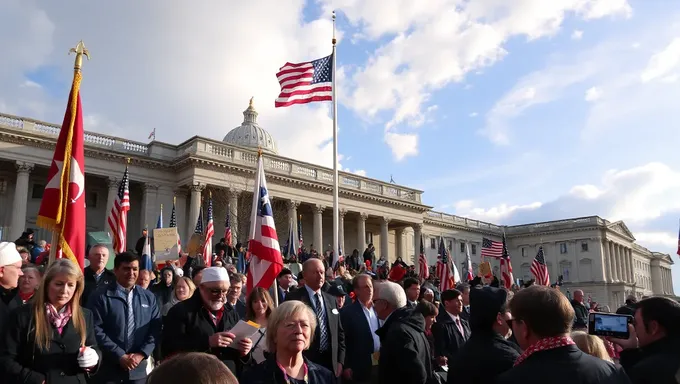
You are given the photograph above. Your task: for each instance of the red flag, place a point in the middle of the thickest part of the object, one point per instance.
(62, 209)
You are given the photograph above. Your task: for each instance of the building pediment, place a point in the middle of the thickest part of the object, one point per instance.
(621, 228)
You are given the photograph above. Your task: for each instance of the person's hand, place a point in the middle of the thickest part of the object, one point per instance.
(347, 373)
(136, 359)
(338, 370)
(87, 358)
(245, 345)
(442, 361)
(630, 343)
(126, 362)
(221, 340)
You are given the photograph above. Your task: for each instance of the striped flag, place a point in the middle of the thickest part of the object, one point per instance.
(118, 216)
(307, 82)
(506, 267)
(159, 222)
(423, 269)
(146, 262)
(446, 272)
(265, 253)
(539, 269)
(173, 223)
(290, 244)
(209, 233)
(492, 248)
(227, 226)
(300, 235)
(468, 263)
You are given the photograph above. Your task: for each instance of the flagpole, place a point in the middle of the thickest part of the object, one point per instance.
(336, 240)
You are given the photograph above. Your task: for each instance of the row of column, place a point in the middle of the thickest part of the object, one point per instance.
(619, 263)
(666, 279)
(20, 202)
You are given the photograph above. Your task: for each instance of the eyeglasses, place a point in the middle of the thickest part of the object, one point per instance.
(217, 292)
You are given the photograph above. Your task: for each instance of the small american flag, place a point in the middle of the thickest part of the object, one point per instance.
(118, 216)
(173, 223)
(506, 267)
(423, 269)
(539, 269)
(227, 226)
(209, 232)
(446, 271)
(492, 248)
(307, 82)
(199, 223)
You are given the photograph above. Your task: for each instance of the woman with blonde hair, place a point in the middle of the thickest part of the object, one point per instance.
(591, 345)
(184, 289)
(259, 307)
(51, 340)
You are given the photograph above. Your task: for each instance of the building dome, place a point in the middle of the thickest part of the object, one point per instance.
(250, 134)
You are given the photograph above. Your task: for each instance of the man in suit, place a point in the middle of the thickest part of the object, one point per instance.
(328, 346)
(464, 289)
(450, 332)
(412, 289)
(283, 285)
(234, 294)
(361, 340)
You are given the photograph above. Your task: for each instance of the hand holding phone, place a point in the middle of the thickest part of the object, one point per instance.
(610, 324)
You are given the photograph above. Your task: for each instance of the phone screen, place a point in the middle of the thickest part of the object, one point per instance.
(607, 324)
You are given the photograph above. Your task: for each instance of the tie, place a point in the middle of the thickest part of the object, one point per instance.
(323, 337)
(460, 328)
(130, 321)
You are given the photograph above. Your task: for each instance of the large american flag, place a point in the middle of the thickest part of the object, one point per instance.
(491, 248)
(227, 226)
(265, 253)
(173, 223)
(506, 267)
(447, 273)
(423, 269)
(539, 269)
(209, 233)
(300, 235)
(307, 82)
(118, 216)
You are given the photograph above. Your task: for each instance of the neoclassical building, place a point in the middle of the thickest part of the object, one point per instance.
(590, 253)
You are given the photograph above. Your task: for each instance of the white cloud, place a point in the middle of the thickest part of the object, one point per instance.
(593, 93)
(577, 34)
(402, 144)
(664, 63)
(473, 114)
(30, 84)
(494, 214)
(360, 172)
(658, 239)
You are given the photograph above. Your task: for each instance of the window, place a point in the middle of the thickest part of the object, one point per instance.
(474, 249)
(462, 247)
(524, 252)
(563, 248)
(584, 247)
(369, 237)
(37, 192)
(91, 200)
(433, 243)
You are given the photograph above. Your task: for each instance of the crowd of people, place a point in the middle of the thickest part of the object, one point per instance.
(362, 322)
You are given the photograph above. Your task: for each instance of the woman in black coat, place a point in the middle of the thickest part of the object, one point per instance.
(51, 341)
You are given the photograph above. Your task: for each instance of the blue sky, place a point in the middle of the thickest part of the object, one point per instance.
(538, 111)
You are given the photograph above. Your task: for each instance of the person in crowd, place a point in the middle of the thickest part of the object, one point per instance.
(291, 329)
(353, 260)
(336, 290)
(404, 349)
(259, 307)
(328, 345)
(361, 341)
(412, 289)
(629, 307)
(450, 331)
(197, 274)
(26, 240)
(283, 285)
(52, 339)
(28, 285)
(487, 353)
(25, 256)
(580, 311)
(202, 323)
(165, 288)
(96, 274)
(234, 295)
(139, 246)
(542, 321)
(37, 250)
(192, 368)
(369, 256)
(430, 313)
(184, 289)
(10, 272)
(127, 324)
(591, 345)
(652, 352)
(144, 279)
(426, 294)
(464, 289)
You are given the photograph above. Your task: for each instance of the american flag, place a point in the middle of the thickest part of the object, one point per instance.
(227, 226)
(539, 269)
(506, 267)
(265, 253)
(492, 248)
(447, 273)
(118, 216)
(307, 82)
(173, 223)
(199, 223)
(300, 235)
(290, 243)
(423, 269)
(468, 263)
(209, 233)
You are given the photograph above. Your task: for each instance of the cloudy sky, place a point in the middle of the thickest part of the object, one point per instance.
(539, 111)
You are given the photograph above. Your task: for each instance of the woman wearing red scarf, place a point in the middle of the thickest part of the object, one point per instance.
(51, 340)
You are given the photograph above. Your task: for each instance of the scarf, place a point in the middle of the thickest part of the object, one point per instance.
(544, 345)
(58, 319)
(26, 296)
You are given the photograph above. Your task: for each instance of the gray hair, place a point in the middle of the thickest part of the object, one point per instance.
(42, 243)
(392, 293)
(283, 313)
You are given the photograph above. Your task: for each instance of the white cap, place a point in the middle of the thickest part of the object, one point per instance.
(214, 274)
(179, 272)
(8, 254)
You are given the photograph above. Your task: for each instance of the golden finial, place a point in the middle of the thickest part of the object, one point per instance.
(128, 160)
(161, 207)
(174, 200)
(80, 51)
(210, 194)
(250, 104)
(259, 151)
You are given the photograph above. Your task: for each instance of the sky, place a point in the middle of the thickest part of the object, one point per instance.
(542, 110)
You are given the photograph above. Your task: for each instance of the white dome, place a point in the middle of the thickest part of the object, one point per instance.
(250, 134)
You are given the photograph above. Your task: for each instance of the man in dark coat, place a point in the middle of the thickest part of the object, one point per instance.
(96, 275)
(450, 332)
(629, 307)
(580, 311)
(657, 334)
(487, 353)
(542, 321)
(10, 271)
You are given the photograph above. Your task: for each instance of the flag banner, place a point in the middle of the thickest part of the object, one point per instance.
(300, 234)
(209, 232)
(146, 262)
(492, 248)
(307, 82)
(539, 269)
(423, 269)
(446, 270)
(506, 267)
(118, 216)
(291, 249)
(227, 227)
(173, 223)
(62, 209)
(468, 263)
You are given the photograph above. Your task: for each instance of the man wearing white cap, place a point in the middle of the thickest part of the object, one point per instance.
(202, 323)
(10, 271)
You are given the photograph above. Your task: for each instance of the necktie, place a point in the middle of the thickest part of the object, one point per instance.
(130, 321)
(460, 327)
(323, 329)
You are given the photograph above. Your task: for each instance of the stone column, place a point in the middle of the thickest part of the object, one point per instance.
(194, 210)
(607, 267)
(626, 269)
(398, 243)
(341, 230)
(292, 206)
(113, 185)
(318, 228)
(149, 212)
(384, 233)
(20, 200)
(619, 262)
(180, 212)
(361, 232)
(631, 268)
(236, 236)
(612, 261)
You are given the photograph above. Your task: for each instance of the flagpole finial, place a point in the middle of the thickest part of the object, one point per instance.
(174, 199)
(259, 151)
(128, 160)
(80, 51)
(334, 40)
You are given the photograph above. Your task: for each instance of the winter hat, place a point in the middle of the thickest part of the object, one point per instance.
(212, 274)
(8, 254)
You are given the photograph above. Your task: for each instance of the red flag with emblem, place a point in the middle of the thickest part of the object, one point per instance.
(62, 209)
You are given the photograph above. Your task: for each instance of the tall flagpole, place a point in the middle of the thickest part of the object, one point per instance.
(336, 241)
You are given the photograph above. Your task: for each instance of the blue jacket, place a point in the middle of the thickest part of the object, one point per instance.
(109, 308)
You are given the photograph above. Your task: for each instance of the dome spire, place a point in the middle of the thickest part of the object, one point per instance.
(250, 115)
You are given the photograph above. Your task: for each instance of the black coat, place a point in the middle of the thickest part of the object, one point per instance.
(581, 315)
(656, 363)
(358, 341)
(21, 361)
(483, 357)
(268, 372)
(404, 349)
(335, 328)
(5, 309)
(564, 365)
(447, 338)
(91, 283)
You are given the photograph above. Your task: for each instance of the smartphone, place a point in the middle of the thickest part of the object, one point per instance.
(609, 324)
